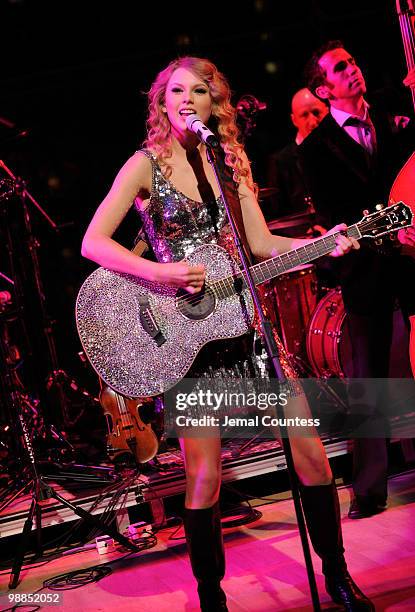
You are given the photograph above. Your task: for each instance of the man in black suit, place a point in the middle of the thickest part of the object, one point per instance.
(350, 161)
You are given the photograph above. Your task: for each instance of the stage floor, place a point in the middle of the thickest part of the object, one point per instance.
(265, 568)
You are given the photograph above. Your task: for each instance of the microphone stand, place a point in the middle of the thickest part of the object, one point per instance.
(273, 357)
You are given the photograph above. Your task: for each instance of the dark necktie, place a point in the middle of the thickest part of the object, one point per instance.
(366, 132)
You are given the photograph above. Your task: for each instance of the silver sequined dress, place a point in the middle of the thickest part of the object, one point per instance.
(175, 226)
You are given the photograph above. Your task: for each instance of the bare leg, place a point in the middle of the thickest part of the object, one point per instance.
(203, 470)
(309, 455)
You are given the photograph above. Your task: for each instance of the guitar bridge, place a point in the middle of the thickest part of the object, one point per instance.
(149, 323)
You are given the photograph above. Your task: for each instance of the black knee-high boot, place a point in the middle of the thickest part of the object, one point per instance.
(322, 514)
(205, 544)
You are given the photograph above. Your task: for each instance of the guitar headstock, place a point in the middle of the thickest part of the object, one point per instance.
(387, 220)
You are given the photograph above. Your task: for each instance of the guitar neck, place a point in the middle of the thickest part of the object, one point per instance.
(266, 270)
(269, 269)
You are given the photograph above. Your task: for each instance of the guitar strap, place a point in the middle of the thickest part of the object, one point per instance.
(230, 189)
(140, 248)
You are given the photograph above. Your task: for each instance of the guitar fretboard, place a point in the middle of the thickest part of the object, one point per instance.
(266, 270)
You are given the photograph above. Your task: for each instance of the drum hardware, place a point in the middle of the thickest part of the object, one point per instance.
(295, 324)
(300, 225)
(308, 202)
(266, 192)
(291, 221)
(247, 109)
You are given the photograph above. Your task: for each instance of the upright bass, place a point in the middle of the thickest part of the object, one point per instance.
(403, 187)
(406, 15)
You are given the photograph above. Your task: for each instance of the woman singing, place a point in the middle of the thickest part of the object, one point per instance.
(173, 187)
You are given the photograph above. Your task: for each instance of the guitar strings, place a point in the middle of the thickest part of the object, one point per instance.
(194, 298)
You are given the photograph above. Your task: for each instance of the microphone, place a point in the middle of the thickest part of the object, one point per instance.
(195, 124)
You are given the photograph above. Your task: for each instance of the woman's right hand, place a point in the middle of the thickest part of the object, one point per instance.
(181, 274)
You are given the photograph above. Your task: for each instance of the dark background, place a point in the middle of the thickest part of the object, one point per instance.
(74, 75)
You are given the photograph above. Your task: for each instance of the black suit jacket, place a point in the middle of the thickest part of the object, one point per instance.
(343, 180)
(285, 174)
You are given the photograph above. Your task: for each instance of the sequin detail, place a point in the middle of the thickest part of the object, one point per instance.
(176, 225)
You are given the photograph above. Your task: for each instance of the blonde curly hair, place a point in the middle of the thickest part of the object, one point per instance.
(222, 120)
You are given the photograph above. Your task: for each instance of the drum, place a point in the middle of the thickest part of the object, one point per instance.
(290, 299)
(293, 226)
(327, 339)
(329, 347)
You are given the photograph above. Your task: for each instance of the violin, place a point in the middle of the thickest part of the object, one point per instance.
(127, 432)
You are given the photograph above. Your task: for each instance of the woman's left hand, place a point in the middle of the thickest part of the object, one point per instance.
(344, 243)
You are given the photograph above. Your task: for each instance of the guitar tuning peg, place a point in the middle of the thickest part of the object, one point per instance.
(379, 207)
(365, 212)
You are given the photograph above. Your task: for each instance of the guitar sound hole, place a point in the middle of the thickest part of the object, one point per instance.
(196, 306)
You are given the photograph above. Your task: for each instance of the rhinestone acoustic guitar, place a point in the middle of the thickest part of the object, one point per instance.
(142, 337)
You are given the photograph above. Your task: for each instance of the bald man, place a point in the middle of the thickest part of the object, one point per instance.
(285, 170)
(306, 113)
